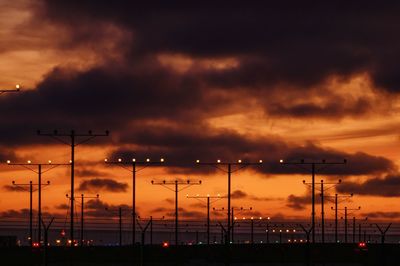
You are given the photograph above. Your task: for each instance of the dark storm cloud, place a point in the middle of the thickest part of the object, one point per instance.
(98, 184)
(181, 147)
(388, 186)
(297, 43)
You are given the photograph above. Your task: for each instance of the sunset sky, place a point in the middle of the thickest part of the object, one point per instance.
(208, 80)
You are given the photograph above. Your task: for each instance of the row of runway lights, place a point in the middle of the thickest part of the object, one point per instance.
(147, 160)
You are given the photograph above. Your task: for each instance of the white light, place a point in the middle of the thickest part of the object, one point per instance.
(218, 161)
(260, 218)
(260, 161)
(162, 160)
(17, 86)
(8, 161)
(119, 160)
(49, 161)
(208, 195)
(281, 161)
(252, 218)
(239, 161)
(106, 160)
(133, 160)
(147, 160)
(70, 161)
(197, 161)
(219, 195)
(29, 161)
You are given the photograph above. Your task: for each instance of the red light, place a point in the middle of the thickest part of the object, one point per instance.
(362, 245)
(62, 232)
(35, 244)
(165, 244)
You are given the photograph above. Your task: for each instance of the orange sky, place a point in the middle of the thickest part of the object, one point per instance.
(31, 47)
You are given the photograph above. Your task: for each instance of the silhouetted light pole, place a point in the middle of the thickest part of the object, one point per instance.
(337, 198)
(83, 197)
(322, 190)
(133, 164)
(120, 210)
(233, 219)
(17, 89)
(210, 200)
(28, 165)
(22, 186)
(346, 212)
(72, 142)
(313, 170)
(176, 189)
(229, 171)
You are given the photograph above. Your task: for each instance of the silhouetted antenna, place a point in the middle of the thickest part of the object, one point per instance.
(17, 89)
(313, 165)
(28, 165)
(322, 190)
(228, 169)
(71, 142)
(176, 189)
(83, 197)
(209, 200)
(338, 199)
(133, 164)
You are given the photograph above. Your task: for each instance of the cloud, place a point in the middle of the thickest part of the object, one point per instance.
(88, 172)
(272, 40)
(387, 186)
(13, 188)
(184, 146)
(239, 194)
(97, 184)
(382, 215)
(99, 208)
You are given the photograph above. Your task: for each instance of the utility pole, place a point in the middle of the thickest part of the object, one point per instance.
(176, 183)
(322, 190)
(337, 198)
(22, 186)
(345, 220)
(313, 171)
(83, 197)
(28, 165)
(210, 200)
(133, 164)
(17, 89)
(72, 143)
(228, 169)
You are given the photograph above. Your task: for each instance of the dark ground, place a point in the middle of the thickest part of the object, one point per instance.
(261, 254)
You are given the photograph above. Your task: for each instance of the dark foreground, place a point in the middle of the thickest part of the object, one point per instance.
(263, 254)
